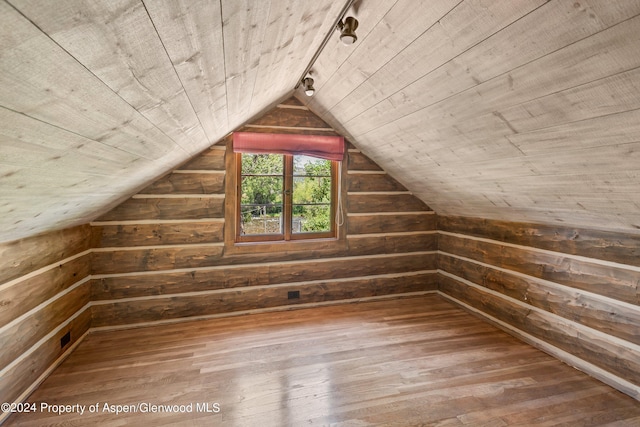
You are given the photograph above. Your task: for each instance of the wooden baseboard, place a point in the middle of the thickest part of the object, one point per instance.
(260, 310)
(27, 392)
(598, 373)
(34, 385)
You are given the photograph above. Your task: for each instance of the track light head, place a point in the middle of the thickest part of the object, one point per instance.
(348, 30)
(307, 82)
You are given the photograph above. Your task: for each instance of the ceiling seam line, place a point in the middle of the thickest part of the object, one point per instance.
(255, 80)
(453, 58)
(175, 71)
(394, 56)
(494, 77)
(578, 121)
(91, 72)
(577, 86)
(73, 132)
(537, 98)
(224, 63)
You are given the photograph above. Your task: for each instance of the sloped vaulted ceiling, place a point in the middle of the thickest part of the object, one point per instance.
(99, 97)
(525, 110)
(521, 110)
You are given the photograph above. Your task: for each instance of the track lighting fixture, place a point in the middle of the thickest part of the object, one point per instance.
(308, 86)
(347, 27)
(348, 30)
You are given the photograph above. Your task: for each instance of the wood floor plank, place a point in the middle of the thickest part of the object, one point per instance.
(410, 361)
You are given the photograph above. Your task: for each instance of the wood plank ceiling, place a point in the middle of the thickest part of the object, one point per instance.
(99, 97)
(521, 110)
(525, 110)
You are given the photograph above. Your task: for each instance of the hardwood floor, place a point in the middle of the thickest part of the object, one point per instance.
(414, 361)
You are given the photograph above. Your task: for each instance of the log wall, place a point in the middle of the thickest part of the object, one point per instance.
(572, 292)
(44, 294)
(168, 252)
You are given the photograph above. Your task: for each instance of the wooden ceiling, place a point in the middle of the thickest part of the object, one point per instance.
(524, 109)
(521, 110)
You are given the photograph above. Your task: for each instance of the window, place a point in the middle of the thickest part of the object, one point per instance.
(285, 197)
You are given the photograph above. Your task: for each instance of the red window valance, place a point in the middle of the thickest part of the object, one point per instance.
(324, 147)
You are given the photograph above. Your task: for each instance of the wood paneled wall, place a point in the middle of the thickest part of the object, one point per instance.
(163, 255)
(44, 294)
(573, 292)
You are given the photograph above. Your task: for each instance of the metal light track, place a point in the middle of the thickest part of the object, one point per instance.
(332, 30)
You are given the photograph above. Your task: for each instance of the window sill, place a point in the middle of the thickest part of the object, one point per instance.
(331, 244)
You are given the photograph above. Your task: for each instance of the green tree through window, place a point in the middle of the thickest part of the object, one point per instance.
(283, 197)
(312, 193)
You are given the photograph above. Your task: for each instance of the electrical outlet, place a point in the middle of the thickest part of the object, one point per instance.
(66, 339)
(293, 295)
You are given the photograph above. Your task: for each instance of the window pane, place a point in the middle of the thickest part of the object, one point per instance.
(261, 196)
(311, 190)
(264, 205)
(261, 190)
(311, 219)
(311, 195)
(261, 219)
(262, 164)
(306, 166)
